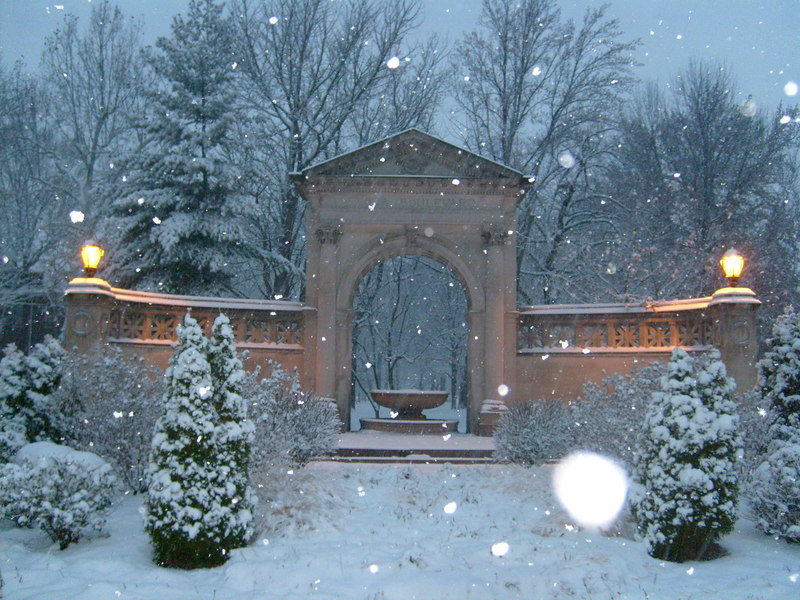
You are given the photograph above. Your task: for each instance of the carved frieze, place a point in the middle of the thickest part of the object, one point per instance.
(610, 333)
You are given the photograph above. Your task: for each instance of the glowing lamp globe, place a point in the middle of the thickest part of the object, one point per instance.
(732, 265)
(91, 254)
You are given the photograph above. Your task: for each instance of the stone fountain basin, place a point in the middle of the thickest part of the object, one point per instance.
(409, 404)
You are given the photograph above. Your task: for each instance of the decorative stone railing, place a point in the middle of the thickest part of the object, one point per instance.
(646, 327)
(561, 347)
(145, 324)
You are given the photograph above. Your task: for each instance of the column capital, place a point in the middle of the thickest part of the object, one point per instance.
(328, 233)
(494, 235)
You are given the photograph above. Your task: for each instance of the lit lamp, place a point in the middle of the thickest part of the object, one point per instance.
(732, 265)
(91, 255)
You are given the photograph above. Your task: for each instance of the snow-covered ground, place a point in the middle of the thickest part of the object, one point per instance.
(402, 532)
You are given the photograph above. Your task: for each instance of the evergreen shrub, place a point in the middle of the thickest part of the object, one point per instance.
(198, 504)
(775, 493)
(686, 465)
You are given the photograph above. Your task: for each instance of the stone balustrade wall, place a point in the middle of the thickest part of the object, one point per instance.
(561, 347)
(145, 324)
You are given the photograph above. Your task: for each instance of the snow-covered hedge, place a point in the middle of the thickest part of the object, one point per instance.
(64, 492)
(531, 432)
(28, 411)
(113, 406)
(775, 494)
(686, 484)
(610, 415)
(292, 426)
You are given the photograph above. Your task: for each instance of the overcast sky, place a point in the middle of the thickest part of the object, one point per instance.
(760, 40)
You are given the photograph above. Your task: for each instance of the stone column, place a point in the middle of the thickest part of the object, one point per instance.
(494, 346)
(733, 314)
(328, 237)
(344, 375)
(88, 302)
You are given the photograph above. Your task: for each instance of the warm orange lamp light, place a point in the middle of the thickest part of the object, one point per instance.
(91, 255)
(732, 264)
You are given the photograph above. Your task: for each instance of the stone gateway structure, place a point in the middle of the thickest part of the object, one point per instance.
(414, 194)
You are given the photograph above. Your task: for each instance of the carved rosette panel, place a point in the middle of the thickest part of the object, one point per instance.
(551, 332)
(163, 327)
(258, 331)
(131, 326)
(288, 332)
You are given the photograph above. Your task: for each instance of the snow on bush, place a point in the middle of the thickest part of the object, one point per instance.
(610, 415)
(775, 495)
(686, 463)
(755, 422)
(28, 412)
(114, 403)
(292, 426)
(531, 432)
(63, 492)
(234, 430)
(196, 508)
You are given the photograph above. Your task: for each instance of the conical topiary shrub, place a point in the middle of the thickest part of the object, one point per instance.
(685, 473)
(191, 508)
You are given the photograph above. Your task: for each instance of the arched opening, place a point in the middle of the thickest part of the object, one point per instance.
(409, 330)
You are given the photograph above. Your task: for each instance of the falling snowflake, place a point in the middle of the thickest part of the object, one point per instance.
(393, 62)
(566, 160)
(500, 548)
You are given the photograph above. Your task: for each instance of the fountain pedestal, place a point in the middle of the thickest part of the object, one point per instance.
(407, 406)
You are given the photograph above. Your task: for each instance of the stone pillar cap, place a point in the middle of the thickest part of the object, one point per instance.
(89, 285)
(734, 295)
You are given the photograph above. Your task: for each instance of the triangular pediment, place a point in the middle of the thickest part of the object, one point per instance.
(412, 153)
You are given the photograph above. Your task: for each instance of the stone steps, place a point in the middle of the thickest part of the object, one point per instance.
(386, 448)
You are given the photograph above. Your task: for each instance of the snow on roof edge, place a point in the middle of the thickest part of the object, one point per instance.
(398, 134)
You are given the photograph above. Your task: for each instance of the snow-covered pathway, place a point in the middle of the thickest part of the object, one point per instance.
(402, 532)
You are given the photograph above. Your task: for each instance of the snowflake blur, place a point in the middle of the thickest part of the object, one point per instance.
(591, 488)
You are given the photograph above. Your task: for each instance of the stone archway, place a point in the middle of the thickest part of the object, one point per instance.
(411, 194)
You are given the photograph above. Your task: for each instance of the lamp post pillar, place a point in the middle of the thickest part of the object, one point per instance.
(88, 303)
(733, 313)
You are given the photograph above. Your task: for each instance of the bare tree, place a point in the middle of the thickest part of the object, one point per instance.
(33, 217)
(540, 95)
(409, 328)
(96, 76)
(699, 172)
(313, 72)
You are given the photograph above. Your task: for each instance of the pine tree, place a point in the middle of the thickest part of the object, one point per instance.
(685, 469)
(189, 498)
(173, 228)
(234, 431)
(776, 492)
